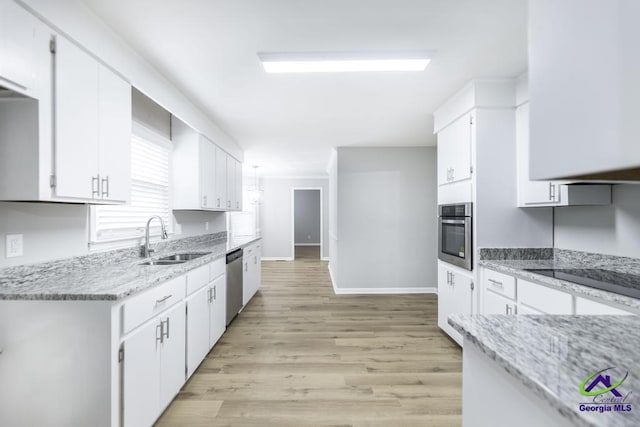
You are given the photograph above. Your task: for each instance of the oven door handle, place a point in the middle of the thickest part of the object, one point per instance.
(453, 221)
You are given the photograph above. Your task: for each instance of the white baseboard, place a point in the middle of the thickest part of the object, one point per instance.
(386, 291)
(307, 244)
(324, 258)
(333, 282)
(275, 258)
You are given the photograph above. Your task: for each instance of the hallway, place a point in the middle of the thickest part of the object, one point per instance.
(298, 355)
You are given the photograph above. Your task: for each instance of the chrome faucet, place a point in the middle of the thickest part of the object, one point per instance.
(163, 234)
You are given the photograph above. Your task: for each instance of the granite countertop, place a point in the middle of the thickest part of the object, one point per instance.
(563, 259)
(553, 355)
(111, 275)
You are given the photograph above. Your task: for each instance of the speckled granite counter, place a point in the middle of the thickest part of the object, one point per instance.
(515, 261)
(110, 275)
(553, 355)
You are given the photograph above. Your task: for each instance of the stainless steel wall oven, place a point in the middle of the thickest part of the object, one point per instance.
(455, 236)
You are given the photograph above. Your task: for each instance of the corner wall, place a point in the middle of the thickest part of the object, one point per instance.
(387, 220)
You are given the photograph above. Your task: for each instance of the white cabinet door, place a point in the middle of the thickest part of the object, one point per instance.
(18, 50)
(454, 151)
(461, 286)
(587, 306)
(544, 299)
(172, 354)
(197, 329)
(238, 182)
(114, 136)
(454, 297)
(221, 179)
(231, 183)
(584, 111)
(497, 304)
(76, 135)
(247, 278)
(141, 381)
(217, 309)
(207, 173)
(257, 259)
(530, 193)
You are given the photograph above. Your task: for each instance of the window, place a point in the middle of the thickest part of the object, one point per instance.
(150, 181)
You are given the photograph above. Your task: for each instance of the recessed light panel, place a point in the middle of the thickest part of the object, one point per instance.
(343, 62)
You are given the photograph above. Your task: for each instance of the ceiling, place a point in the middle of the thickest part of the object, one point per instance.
(287, 123)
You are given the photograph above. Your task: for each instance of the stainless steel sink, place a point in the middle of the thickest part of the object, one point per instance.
(184, 257)
(163, 262)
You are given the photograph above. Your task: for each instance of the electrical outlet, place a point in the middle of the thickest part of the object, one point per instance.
(308, 236)
(13, 245)
(206, 225)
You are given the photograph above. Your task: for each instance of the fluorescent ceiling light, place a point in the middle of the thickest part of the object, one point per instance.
(322, 62)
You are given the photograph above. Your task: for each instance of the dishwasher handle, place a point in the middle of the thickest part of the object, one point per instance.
(232, 256)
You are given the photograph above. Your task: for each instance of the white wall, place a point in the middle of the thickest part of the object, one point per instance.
(57, 230)
(387, 223)
(307, 217)
(612, 230)
(50, 231)
(276, 219)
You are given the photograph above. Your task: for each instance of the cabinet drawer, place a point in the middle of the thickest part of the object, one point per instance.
(217, 268)
(500, 283)
(151, 302)
(544, 299)
(197, 278)
(587, 306)
(497, 304)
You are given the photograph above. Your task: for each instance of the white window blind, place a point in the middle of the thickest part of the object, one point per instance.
(150, 163)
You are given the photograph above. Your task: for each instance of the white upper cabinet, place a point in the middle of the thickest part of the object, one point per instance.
(18, 48)
(238, 183)
(204, 175)
(547, 193)
(454, 151)
(76, 117)
(207, 160)
(221, 178)
(584, 84)
(114, 136)
(231, 183)
(92, 128)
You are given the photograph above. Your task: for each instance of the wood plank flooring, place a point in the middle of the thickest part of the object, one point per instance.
(298, 355)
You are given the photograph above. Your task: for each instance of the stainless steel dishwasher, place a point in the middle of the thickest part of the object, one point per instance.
(234, 284)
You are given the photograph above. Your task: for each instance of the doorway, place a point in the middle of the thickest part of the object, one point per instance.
(307, 228)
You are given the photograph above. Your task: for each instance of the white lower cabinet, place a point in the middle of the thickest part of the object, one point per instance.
(455, 291)
(252, 272)
(497, 304)
(587, 306)
(153, 366)
(206, 310)
(197, 329)
(505, 294)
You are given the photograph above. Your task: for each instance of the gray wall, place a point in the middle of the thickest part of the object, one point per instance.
(307, 217)
(612, 230)
(387, 234)
(276, 219)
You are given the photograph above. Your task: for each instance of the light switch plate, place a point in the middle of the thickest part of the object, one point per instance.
(13, 245)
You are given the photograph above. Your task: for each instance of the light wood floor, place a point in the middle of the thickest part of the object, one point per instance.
(298, 355)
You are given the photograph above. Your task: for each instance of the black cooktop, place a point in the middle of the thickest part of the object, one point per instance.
(607, 280)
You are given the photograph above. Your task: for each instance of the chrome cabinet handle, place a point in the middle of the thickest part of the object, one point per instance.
(209, 297)
(105, 192)
(496, 283)
(453, 278)
(204, 200)
(159, 327)
(218, 202)
(237, 205)
(246, 265)
(255, 260)
(229, 204)
(163, 299)
(167, 323)
(550, 191)
(215, 297)
(95, 186)
(508, 309)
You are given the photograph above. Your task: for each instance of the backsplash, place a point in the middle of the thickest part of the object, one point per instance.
(611, 230)
(54, 231)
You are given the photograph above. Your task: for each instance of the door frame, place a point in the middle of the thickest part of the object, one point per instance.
(293, 220)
